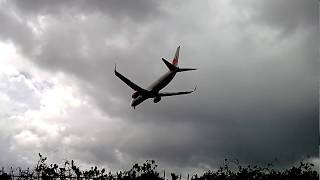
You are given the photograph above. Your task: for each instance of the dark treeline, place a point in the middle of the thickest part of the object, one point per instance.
(148, 171)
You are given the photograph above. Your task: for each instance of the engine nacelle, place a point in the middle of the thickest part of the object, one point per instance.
(157, 99)
(135, 95)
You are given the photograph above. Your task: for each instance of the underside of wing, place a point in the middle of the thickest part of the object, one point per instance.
(175, 93)
(129, 83)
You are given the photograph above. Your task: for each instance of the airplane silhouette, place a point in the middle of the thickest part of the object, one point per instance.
(153, 91)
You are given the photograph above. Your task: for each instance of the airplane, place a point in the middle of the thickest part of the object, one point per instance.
(153, 91)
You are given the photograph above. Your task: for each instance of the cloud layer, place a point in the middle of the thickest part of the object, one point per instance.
(257, 96)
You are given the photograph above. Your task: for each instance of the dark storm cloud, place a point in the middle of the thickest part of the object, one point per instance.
(256, 97)
(138, 10)
(14, 30)
(286, 15)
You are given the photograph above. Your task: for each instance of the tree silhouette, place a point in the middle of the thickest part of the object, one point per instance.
(148, 171)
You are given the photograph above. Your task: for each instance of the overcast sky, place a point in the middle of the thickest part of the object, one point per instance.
(257, 79)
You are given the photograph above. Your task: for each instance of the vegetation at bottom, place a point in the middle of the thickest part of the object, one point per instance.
(148, 171)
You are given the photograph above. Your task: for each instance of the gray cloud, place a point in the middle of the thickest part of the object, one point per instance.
(257, 80)
(139, 10)
(285, 15)
(14, 30)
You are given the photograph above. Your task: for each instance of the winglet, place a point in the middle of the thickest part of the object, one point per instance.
(195, 88)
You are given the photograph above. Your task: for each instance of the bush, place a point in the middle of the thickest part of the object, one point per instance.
(148, 171)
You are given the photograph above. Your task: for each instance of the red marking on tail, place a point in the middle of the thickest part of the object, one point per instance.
(175, 61)
(176, 57)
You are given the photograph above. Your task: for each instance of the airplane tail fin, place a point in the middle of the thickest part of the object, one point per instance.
(174, 65)
(176, 57)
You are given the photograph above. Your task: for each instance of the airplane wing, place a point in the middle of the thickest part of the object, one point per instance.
(176, 93)
(128, 82)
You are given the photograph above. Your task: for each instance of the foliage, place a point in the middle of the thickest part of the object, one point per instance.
(304, 172)
(148, 171)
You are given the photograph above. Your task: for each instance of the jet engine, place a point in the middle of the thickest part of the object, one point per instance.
(157, 99)
(135, 95)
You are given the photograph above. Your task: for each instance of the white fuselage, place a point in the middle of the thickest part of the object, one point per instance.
(154, 88)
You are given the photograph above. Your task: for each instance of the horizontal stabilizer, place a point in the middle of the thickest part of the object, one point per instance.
(170, 66)
(186, 69)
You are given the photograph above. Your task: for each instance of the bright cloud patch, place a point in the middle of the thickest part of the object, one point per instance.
(42, 113)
